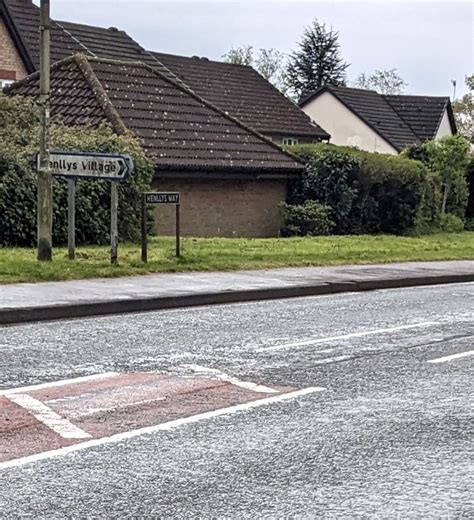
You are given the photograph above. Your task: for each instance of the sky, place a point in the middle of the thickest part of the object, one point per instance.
(430, 43)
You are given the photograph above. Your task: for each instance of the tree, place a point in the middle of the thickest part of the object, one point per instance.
(449, 156)
(267, 62)
(385, 81)
(240, 56)
(317, 62)
(463, 109)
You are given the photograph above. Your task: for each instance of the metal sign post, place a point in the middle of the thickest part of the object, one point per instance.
(71, 219)
(93, 166)
(44, 181)
(144, 231)
(113, 223)
(160, 198)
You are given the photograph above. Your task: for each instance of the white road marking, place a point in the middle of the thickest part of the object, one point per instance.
(217, 374)
(331, 360)
(93, 411)
(159, 427)
(453, 356)
(48, 417)
(348, 336)
(54, 384)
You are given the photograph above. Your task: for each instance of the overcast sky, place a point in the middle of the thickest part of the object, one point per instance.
(429, 42)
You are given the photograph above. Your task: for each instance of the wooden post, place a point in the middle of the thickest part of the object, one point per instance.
(44, 180)
(71, 218)
(113, 223)
(144, 231)
(178, 230)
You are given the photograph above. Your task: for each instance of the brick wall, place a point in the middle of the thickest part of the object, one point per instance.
(222, 208)
(10, 60)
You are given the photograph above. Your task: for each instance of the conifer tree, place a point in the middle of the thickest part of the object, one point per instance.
(317, 62)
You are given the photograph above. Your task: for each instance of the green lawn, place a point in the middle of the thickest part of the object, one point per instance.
(219, 254)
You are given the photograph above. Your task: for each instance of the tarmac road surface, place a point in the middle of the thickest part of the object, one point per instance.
(356, 405)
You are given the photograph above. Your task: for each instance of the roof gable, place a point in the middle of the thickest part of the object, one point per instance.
(377, 113)
(400, 119)
(179, 130)
(422, 113)
(244, 93)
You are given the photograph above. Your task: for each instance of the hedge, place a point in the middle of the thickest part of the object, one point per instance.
(19, 132)
(368, 192)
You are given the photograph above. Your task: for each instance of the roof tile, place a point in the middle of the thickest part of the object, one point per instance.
(179, 130)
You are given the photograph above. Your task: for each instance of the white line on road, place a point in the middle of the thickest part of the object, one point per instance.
(348, 336)
(232, 380)
(159, 427)
(48, 417)
(453, 356)
(54, 384)
(331, 360)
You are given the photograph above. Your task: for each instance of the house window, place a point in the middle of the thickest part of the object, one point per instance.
(290, 141)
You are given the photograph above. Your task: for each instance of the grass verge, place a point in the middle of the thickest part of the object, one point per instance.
(221, 254)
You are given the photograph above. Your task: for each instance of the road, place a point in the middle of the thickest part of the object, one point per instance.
(345, 406)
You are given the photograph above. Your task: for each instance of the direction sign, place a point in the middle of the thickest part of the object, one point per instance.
(161, 198)
(112, 167)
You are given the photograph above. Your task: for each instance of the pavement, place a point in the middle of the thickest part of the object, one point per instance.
(26, 302)
(356, 405)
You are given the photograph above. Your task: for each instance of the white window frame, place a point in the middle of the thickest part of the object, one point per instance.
(290, 141)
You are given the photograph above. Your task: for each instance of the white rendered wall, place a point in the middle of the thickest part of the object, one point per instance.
(345, 127)
(444, 128)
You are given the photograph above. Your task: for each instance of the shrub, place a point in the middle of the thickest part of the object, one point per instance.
(470, 182)
(448, 157)
(368, 192)
(18, 147)
(329, 179)
(309, 218)
(450, 223)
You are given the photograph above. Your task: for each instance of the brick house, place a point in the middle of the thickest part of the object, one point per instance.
(215, 128)
(376, 122)
(231, 178)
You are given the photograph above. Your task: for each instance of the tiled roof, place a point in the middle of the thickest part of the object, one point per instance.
(245, 94)
(377, 113)
(179, 130)
(236, 89)
(70, 38)
(401, 120)
(422, 113)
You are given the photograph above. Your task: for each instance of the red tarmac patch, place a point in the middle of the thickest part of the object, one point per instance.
(36, 420)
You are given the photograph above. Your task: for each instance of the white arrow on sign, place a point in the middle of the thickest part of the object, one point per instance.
(112, 167)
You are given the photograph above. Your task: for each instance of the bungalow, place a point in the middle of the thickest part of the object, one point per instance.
(376, 122)
(231, 178)
(213, 130)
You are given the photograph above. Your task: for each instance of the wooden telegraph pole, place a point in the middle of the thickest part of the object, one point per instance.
(44, 181)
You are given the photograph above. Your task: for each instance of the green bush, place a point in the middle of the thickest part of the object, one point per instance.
(18, 147)
(368, 192)
(450, 223)
(309, 218)
(448, 157)
(470, 183)
(329, 179)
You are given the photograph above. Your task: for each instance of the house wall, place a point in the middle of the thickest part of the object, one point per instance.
(345, 127)
(444, 127)
(222, 208)
(10, 60)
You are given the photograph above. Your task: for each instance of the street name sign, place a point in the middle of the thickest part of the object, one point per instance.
(99, 166)
(161, 198)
